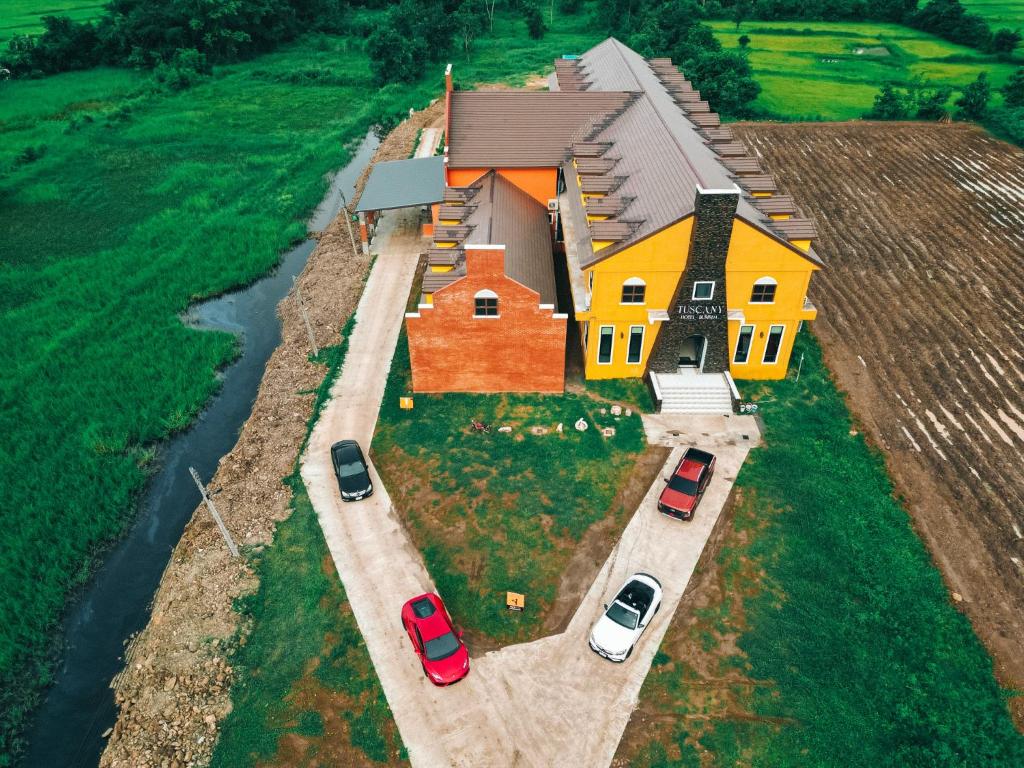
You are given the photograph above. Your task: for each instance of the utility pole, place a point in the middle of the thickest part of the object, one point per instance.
(213, 511)
(800, 366)
(348, 221)
(305, 317)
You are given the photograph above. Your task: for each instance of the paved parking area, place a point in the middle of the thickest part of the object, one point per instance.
(547, 703)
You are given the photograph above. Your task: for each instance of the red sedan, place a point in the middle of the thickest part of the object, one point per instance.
(435, 639)
(686, 487)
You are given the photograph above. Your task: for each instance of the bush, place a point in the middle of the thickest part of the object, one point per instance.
(534, 20)
(1013, 91)
(974, 101)
(186, 67)
(890, 104)
(409, 37)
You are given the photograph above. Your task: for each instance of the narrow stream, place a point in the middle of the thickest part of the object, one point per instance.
(78, 708)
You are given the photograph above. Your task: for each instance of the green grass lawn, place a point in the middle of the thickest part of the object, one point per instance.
(24, 17)
(120, 208)
(999, 13)
(830, 639)
(305, 691)
(500, 512)
(832, 70)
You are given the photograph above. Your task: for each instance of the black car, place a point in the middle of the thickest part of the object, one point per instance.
(351, 470)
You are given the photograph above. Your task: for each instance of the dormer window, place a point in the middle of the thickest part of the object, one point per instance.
(485, 304)
(634, 291)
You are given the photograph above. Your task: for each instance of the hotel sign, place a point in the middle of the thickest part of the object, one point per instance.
(698, 311)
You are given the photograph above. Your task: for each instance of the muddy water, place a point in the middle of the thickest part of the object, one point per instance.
(79, 707)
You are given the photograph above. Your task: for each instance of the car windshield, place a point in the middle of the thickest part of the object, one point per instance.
(441, 647)
(681, 484)
(350, 470)
(623, 616)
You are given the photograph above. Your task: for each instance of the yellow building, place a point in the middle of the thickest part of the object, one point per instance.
(683, 260)
(685, 266)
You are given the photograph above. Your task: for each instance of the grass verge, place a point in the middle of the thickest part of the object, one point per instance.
(497, 512)
(824, 634)
(305, 691)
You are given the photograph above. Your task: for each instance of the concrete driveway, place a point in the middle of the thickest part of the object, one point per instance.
(546, 703)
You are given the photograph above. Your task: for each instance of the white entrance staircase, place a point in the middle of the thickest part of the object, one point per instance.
(694, 392)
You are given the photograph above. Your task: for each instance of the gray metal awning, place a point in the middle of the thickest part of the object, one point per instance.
(403, 183)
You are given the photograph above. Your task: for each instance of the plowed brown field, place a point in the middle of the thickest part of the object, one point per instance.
(920, 316)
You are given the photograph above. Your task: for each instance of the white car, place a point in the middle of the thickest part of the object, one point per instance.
(622, 622)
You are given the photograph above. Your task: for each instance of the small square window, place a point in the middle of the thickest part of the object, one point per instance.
(486, 307)
(703, 290)
(633, 294)
(763, 293)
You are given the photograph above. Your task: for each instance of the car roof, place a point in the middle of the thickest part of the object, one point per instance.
(432, 624)
(636, 594)
(690, 469)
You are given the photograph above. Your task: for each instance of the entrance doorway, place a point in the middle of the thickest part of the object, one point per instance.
(691, 354)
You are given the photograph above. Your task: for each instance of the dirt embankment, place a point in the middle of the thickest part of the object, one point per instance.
(174, 690)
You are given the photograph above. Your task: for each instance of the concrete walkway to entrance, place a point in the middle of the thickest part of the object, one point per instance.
(547, 703)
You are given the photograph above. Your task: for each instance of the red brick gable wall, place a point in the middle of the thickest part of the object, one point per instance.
(521, 350)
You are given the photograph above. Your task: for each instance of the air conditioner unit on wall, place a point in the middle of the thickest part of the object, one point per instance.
(553, 204)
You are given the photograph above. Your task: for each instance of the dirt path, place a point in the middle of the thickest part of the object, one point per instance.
(175, 687)
(923, 231)
(549, 702)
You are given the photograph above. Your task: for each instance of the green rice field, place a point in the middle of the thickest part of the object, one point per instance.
(24, 17)
(999, 13)
(832, 70)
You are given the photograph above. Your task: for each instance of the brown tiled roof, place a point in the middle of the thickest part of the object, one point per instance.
(759, 183)
(742, 165)
(502, 214)
(612, 230)
(454, 232)
(718, 134)
(444, 257)
(593, 166)
(730, 149)
(610, 205)
(524, 129)
(667, 144)
(590, 148)
(508, 216)
(568, 75)
(458, 194)
(453, 212)
(796, 228)
(600, 185)
(777, 204)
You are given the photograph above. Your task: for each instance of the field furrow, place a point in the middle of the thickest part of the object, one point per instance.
(922, 230)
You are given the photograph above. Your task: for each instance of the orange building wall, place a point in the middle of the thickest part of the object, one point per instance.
(539, 183)
(521, 350)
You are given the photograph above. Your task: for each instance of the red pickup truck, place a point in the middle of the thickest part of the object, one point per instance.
(687, 485)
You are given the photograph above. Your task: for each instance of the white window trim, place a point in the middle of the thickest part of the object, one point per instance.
(629, 340)
(611, 352)
(486, 293)
(694, 296)
(778, 354)
(735, 349)
(586, 337)
(766, 280)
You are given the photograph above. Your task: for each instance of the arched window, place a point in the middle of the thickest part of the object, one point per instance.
(485, 304)
(634, 291)
(764, 291)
